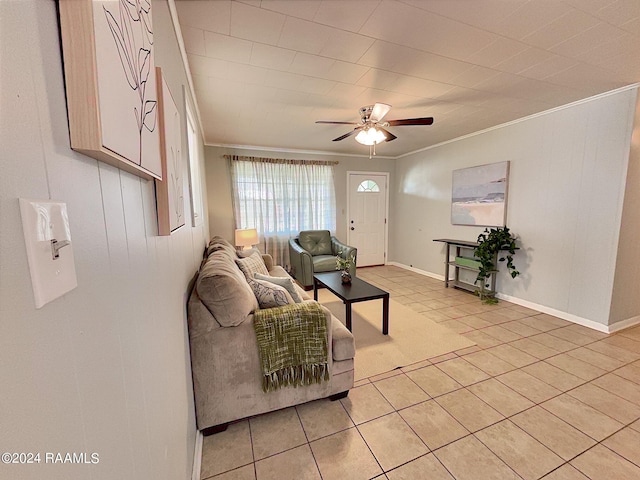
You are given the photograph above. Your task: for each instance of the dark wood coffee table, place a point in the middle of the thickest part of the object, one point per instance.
(357, 291)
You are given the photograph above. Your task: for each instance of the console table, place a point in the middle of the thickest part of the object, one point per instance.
(461, 246)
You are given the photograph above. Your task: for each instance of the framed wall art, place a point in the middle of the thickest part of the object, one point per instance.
(169, 190)
(195, 178)
(111, 83)
(479, 195)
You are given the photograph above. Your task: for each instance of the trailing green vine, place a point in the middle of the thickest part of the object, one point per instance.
(490, 244)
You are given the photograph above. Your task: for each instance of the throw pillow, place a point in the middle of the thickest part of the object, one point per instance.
(286, 282)
(248, 252)
(270, 295)
(224, 290)
(251, 265)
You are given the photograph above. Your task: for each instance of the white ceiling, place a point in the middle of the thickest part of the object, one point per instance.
(265, 70)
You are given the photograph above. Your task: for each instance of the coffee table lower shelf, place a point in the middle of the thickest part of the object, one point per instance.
(357, 291)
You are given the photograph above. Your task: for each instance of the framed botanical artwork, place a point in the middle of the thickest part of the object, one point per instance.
(195, 176)
(479, 195)
(169, 190)
(111, 83)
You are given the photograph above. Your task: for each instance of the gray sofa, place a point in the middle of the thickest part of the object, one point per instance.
(315, 251)
(227, 378)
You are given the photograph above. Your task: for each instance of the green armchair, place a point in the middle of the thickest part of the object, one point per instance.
(316, 251)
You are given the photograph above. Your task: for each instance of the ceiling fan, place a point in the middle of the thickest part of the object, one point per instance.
(371, 130)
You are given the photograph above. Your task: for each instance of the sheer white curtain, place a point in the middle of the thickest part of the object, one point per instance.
(280, 198)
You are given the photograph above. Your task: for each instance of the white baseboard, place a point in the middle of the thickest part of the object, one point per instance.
(585, 322)
(197, 456)
(417, 270)
(621, 325)
(616, 327)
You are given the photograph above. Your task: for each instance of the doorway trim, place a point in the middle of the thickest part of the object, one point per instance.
(386, 208)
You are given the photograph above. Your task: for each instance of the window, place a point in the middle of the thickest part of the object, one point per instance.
(368, 186)
(280, 198)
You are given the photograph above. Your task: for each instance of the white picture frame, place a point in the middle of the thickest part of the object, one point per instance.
(195, 174)
(479, 195)
(169, 190)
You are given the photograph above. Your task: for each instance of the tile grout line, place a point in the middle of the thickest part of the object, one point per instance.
(544, 360)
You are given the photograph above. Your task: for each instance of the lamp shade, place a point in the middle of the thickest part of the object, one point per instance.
(246, 238)
(370, 136)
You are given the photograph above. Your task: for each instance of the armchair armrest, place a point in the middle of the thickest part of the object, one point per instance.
(301, 263)
(345, 251)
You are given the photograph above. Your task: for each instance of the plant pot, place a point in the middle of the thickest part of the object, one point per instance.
(346, 277)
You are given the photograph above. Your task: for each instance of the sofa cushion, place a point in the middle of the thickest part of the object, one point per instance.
(248, 252)
(251, 265)
(270, 295)
(278, 271)
(316, 242)
(217, 244)
(325, 263)
(286, 282)
(224, 291)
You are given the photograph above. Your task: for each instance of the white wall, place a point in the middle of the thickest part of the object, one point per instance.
(221, 220)
(566, 191)
(626, 301)
(106, 367)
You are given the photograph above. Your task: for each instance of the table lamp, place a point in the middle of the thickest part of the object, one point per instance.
(246, 238)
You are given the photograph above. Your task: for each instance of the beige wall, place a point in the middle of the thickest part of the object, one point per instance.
(625, 303)
(566, 188)
(105, 368)
(221, 220)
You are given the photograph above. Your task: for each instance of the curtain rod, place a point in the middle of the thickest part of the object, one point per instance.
(289, 161)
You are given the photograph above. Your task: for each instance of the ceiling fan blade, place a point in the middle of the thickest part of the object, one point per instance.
(379, 111)
(389, 136)
(347, 134)
(410, 121)
(336, 123)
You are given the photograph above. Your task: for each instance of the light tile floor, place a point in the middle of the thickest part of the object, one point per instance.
(538, 397)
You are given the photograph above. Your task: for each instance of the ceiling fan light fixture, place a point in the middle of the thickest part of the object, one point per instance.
(370, 136)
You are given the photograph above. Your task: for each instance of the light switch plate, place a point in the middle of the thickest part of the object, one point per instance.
(45, 222)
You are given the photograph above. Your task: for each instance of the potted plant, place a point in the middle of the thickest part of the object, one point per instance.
(488, 252)
(344, 264)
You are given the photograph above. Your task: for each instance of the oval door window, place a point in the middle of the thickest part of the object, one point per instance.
(368, 186)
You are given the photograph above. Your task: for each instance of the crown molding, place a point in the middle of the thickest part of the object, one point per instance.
(173, 12)
(296, 151)
(523, 119)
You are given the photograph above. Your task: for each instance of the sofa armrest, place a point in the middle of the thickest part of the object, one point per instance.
(268, 261)
(345, 251)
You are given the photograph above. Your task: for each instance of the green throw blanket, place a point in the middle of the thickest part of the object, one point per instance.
(292, 342)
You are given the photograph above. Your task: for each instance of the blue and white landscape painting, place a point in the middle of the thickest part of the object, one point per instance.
(479, 195)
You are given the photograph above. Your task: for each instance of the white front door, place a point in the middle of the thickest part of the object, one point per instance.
(367, 216)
